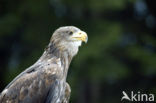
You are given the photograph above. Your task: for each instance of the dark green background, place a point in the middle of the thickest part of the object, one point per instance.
(120, 54)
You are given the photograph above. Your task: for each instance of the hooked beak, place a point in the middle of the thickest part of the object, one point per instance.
(80, 35)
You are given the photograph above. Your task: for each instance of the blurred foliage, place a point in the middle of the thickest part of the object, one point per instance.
(120, 54)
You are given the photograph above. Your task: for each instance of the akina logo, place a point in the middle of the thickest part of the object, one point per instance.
(137, 96)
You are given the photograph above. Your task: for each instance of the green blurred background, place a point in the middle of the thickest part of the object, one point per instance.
(119, 56)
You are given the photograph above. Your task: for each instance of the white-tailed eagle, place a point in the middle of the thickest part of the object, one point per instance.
(45, 81)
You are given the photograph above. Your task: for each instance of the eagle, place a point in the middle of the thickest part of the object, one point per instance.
(45, 80)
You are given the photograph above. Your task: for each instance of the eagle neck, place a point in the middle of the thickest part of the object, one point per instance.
(65, 61)
(65, 57)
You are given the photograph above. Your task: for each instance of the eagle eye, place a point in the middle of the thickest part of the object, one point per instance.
(70, 33)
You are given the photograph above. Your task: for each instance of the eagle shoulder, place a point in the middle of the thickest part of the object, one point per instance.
(32, 85)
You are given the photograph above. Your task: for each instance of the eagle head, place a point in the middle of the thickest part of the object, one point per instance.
(68, 38)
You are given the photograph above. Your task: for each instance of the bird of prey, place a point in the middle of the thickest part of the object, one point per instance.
(45, 80)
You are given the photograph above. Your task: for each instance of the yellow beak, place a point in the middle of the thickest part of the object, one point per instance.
(80, 35)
